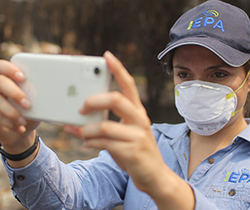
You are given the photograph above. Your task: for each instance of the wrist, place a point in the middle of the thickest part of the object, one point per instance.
(20, 143)
(169, 191)
(24, 152)
(23, 155)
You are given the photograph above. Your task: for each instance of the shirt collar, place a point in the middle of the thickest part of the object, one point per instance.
(172, 131)
(245, 134)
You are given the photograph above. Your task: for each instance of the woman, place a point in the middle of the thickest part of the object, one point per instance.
(200, 164)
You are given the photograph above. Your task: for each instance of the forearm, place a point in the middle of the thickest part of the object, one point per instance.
(50, 184)
(180, 197)
(32, 185)
(169, 191)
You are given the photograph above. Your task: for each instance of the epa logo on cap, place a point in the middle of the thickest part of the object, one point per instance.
(209, 20)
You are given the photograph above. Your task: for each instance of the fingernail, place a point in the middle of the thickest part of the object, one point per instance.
(25, 103)
(21, 129)
(82, 110)
(21, 121)
(19, 75)
(108, 54)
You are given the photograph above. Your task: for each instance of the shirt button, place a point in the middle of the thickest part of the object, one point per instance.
(211, 160)
(20, 177)
(232, 192)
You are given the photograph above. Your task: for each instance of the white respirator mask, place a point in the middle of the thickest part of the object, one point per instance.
(206, 107)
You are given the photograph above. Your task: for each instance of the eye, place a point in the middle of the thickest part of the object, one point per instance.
(219, 74)
(183, 75)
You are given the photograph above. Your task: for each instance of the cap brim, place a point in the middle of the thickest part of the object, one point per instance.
(229, 55)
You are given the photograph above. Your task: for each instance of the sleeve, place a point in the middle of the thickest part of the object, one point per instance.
(47, 183)
(156, 132)
(201, 202)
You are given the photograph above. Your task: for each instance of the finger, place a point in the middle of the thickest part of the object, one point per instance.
(123, 78)
(73, 130)
(21, 129)
(120, 105)
(9, 111)
(106, 144)
(10, 90)
(114, 130)
(110, 130)
(11, 71)
(121, 151)
(6, 122)
(110, 144)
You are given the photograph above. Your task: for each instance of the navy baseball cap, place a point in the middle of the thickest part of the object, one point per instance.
(218, 26)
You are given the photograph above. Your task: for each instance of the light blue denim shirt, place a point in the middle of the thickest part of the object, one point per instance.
(222, 181)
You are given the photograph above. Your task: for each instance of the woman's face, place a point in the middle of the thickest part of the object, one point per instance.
(192, 62)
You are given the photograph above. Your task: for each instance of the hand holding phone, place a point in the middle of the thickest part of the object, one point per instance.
(58, 85)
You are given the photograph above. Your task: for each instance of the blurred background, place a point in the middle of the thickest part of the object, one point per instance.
(135, 31)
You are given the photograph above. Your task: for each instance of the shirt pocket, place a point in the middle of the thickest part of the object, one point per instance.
(229, 197)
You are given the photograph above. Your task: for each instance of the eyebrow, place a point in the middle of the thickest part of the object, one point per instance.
(181, 67)
(215, 67)
(206, 69)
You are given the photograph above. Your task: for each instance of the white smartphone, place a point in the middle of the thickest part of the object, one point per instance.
(58, 85)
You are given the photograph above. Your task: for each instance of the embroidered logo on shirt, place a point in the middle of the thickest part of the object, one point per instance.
(242, 177)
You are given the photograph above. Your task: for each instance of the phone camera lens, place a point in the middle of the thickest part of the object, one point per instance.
(97, 71)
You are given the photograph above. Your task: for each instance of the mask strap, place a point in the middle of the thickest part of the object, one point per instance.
(230, 95)
(177, 93)
(235, 112)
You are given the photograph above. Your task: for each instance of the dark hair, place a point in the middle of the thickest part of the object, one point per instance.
(246, 111)
(247, 66)
(169, 61)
